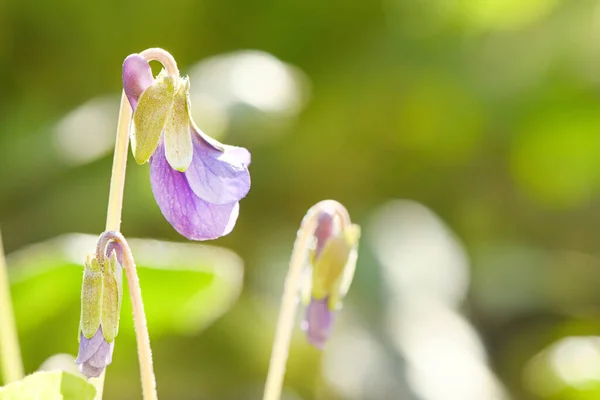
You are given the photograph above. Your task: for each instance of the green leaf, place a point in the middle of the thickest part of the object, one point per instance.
(49, 386)
(185, 286)
(150, 117)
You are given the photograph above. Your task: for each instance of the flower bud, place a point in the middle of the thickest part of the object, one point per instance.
(101, 296)
(333, 263)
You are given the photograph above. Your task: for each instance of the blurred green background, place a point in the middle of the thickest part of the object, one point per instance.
(463, 135)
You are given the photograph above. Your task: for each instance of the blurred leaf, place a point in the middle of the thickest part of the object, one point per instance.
(61, 362)
(501, 15)
(509, 281)
(556, 156)
(439, 119)
(49, 386)
(185, 286)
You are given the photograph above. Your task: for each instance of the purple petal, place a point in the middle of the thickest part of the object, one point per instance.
(94, 354)
(191, 216)
(90, 371)
(116, 247)
(240, 153)
(318, 322)
(103, 356)
(324, 230)
(219, 177)
(137, 77)
(88, 347)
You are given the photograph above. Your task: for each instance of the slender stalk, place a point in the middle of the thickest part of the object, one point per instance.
(12, 366)
(115, 194)
(113, 223)
(289, 300)
(137, 305)
(117, 179)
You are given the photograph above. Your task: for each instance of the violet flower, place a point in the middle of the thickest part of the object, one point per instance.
(333, 261)
(197, 181)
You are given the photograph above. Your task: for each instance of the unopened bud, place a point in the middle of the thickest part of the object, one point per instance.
(101, 297)
(331, 270)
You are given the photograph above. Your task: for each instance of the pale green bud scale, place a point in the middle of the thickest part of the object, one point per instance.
(178, 138)
(329, 266)
(340, 288)
(111, 302)
(150, 117)
(91, 298)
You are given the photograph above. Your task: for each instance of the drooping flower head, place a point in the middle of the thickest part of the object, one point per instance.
(101, 296)
(332, 263)
(197, 181)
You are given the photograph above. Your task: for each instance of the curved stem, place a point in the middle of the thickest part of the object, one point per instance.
(137, 305)
(115, 194)
(117, 186)
(289, 300)
(164, 57)
(12, 366)
(117, 181)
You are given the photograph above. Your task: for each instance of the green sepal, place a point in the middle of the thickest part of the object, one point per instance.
(340, 288)
(91, 298)
(111, 300)
(150, 117)
(329, 266)
(178, 136)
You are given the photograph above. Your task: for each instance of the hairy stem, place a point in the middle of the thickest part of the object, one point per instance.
(117, 179)
(164, 57)
(10, 353)
(137, 305)
(289, 300)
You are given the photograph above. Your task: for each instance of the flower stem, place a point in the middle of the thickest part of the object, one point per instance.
(113, 223)
(139, 316)
(289, 300)
(115, 194)
(12, 366)
(164, 57)
(117, 179)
